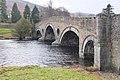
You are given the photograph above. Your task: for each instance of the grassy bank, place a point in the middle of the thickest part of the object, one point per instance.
(57, 73)
(6, 33)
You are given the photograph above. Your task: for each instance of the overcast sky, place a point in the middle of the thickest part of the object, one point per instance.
(87, 6)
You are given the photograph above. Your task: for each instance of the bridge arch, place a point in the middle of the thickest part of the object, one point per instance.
(75, 30)
(70, 37)
(38, 34)
(88, 49)
(50, 35)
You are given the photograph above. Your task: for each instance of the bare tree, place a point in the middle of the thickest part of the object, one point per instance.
(50, 8)
(49, 11)
(50, 4)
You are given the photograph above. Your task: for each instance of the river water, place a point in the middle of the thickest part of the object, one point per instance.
(22, 53)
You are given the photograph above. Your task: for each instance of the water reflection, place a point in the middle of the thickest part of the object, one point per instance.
(21, 53)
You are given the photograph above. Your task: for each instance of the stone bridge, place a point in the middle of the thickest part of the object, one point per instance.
(95, 36)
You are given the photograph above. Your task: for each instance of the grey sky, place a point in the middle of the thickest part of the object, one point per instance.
(87, 6)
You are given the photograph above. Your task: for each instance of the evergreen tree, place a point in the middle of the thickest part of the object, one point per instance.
(26, 12)
(3, 11)
(35, 15)
(15, 13)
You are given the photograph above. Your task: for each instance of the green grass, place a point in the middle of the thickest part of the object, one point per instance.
(5, 31)
(37, 73)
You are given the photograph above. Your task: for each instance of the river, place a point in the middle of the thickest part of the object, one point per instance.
(22, 53)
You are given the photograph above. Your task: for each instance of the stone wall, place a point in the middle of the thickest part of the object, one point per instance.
(115, 37)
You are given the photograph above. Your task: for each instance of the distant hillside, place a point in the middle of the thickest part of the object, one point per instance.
(21, 5)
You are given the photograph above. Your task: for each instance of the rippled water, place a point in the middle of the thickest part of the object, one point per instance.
(21, 53)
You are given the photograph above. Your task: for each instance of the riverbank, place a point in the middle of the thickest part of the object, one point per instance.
(52, 73)
(6, 33)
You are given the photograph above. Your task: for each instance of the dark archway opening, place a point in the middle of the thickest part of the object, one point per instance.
(70, 39)
(38, 34)
(89, 54)
(49, 35)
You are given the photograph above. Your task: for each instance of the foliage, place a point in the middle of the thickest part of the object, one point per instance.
(50, 11)
(35, 15)
(37, 73)
(3, 7)
(61, 11)
(26, 12)
(15, 13)
(23, 29)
